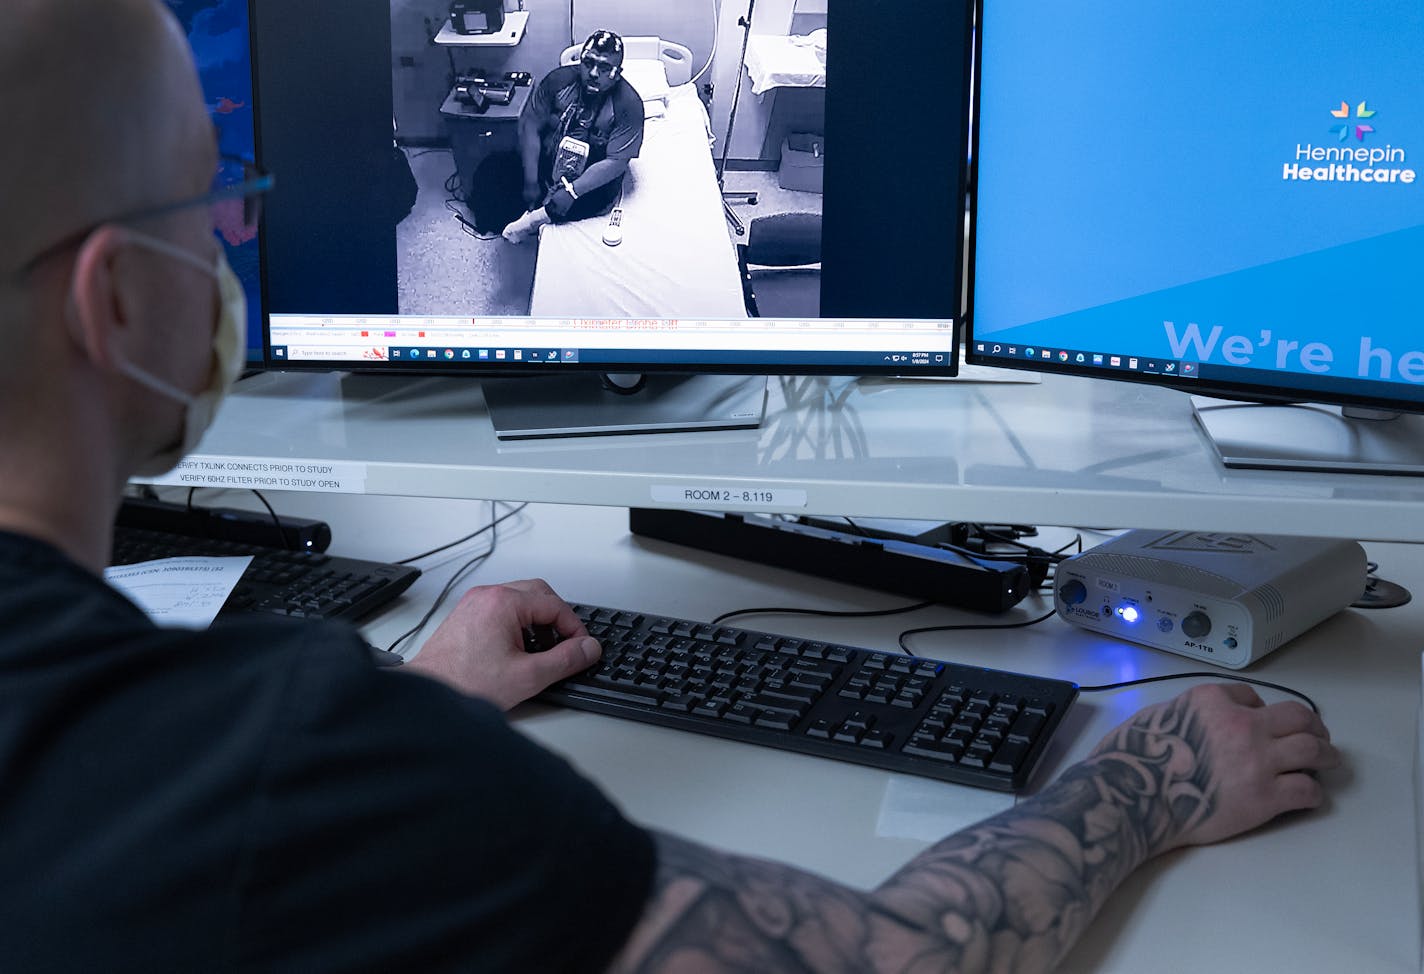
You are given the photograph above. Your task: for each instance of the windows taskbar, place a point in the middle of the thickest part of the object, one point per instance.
(760, 360)
(1184, 368)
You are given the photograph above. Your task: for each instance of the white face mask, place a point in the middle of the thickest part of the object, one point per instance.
(229, 350)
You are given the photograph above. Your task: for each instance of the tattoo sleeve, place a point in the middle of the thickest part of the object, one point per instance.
(1012, 893)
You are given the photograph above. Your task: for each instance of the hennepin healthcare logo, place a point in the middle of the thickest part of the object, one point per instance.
(1376, 163)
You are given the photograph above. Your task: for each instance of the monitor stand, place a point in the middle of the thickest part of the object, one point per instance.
(1309, 436)
(590, 404)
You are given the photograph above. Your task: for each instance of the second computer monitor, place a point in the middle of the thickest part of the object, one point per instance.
(1226, 197)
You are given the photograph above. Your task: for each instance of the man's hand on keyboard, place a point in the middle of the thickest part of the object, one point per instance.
(479, 649)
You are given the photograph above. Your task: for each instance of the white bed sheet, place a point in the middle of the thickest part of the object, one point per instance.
(779, 61)
(676, 259)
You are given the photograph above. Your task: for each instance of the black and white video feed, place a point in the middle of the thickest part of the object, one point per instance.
(611, 158)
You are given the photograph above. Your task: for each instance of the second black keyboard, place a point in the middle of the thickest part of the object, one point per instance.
(307, 584)
(962, 724)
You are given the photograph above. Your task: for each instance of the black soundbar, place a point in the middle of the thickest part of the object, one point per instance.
(920, 571)
(225, 524)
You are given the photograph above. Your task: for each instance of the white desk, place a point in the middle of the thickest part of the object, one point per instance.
(1329, 891)
(1064, 451)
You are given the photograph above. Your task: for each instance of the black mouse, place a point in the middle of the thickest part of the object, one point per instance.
(538, 638)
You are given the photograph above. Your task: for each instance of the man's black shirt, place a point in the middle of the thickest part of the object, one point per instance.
(260, 796)
(611, 127)
(615, 129)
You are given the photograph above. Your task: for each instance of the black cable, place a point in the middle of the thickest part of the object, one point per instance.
(976, 556)
(1030, 549)
(281, 531)
(1201, 673)
(855, 527)
(469, 537)
(475, 562)
(453, 191)
(828, 613)
(972, 556)
(966, 627)
(466, 225)
(983, 531)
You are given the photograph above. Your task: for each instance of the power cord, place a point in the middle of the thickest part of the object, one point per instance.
(875, 613)
(461, 572)
(452, 203)
(966, 627)
(472, 535)
(1196, 674)
(828, 613)
(1039, 562)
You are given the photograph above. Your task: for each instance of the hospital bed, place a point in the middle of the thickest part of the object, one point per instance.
(676, 259)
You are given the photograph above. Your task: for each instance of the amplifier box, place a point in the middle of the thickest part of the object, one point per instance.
(1228, 599)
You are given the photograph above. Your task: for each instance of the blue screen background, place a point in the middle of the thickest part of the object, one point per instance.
(1130, 173)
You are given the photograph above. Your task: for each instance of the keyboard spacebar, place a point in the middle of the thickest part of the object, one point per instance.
(644, 698)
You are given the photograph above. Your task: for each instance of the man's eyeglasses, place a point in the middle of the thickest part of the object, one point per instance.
(235, 199)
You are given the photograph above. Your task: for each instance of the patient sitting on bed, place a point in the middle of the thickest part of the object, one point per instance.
(577, 133)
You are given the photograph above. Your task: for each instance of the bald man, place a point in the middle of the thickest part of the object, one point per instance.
(259, 796)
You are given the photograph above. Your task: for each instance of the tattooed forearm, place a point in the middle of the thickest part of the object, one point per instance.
(1164, 747)
(720, 913)
(1012, 893)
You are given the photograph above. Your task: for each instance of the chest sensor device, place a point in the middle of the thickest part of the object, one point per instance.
(1227, 599)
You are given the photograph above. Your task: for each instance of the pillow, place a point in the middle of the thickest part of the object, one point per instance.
(816, 41)
(649, 80)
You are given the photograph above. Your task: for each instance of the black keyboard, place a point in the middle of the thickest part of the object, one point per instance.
(963, 724)
(307, 584)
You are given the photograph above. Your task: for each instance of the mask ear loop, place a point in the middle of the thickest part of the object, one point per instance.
(139, 375)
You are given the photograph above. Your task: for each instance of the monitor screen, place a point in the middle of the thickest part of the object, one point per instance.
(218, 33)
(406, 149)
(1224, 196)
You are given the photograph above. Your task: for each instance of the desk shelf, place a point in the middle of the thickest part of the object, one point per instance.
(509, 35)
(1067, 451)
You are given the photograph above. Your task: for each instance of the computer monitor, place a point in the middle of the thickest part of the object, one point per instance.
(218, 31)
(383, 243)
(1223, 197)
